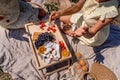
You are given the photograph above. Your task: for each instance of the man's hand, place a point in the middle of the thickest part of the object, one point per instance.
(54, 15)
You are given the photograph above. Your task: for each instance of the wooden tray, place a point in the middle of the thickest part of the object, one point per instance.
(34, 27)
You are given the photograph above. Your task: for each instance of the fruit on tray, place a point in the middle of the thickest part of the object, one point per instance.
(52, 28)
(46, 26)
(44, 37)
(41, 49)
(35, 35)
(62, 45)
(47, 45)
(42, 25)
(65, 53)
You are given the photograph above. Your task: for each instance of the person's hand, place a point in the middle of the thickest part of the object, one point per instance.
(54, 15)
(80, 31)
(67, 29)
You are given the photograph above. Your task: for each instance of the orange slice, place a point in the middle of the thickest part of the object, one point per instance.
(35, 35)
(41, 49)
(65, 53)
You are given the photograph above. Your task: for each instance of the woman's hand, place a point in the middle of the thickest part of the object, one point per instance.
(80, 32)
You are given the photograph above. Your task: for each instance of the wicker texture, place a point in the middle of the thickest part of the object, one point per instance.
(101, 72)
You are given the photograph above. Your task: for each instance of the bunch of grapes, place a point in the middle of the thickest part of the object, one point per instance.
(42, 38)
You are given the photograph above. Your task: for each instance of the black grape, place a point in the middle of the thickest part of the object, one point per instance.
(42, 38)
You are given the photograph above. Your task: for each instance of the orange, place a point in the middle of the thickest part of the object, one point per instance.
(82, 62)
(41, 49)
(78, 55)
(84, 68)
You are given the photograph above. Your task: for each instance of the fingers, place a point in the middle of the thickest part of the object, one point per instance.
(70, 34)
(53, 15)
(67, 30)
(76, 35)
(80, 32)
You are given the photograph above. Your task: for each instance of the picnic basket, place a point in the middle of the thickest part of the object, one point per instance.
(100, 72)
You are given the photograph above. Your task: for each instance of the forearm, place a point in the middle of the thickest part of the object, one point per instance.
(73, 9)
(90, 32)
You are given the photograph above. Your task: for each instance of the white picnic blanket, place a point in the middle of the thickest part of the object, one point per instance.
(16, 56)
